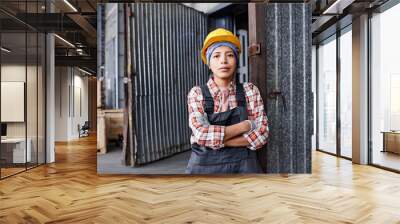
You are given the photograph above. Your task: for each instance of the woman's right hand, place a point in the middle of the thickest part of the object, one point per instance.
(246, 126)
(237, 129)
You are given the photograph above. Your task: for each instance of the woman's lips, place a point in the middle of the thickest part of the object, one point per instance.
(224, 69)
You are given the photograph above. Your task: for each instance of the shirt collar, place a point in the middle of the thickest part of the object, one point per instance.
(214, 89)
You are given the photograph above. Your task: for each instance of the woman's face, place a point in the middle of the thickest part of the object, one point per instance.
(223, 62)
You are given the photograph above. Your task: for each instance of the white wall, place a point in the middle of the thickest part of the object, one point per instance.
(33, 126)
(80, 94)
(9, 73)
(71, 93)
(17, 73)
(12, 73)
(61, 103)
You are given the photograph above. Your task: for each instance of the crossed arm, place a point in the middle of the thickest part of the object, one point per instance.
(237, 135)
(233, 135)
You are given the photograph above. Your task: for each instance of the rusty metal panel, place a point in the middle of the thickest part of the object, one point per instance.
(289, 95)
(166, 64)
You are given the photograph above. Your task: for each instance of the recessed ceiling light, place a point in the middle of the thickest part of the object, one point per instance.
(70, 5)
(84, 71)
(338, 6)
(64, 40)
(5, 50)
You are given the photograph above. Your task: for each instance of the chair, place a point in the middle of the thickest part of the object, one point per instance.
(84, 130)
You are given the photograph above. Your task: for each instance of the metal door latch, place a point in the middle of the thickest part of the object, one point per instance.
(274, 95)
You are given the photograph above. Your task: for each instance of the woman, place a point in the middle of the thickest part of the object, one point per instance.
(227, 119)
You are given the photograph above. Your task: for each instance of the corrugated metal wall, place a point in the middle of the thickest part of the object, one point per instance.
(121, 57)
(112, 51)
(111, 43)
(166, 64)
(100, 46)
(288, 47)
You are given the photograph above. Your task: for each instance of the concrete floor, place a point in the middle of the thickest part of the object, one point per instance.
(110, 163)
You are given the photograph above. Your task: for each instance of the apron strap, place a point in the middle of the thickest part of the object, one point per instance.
(241, 100)
(208, 100)
(240, 95)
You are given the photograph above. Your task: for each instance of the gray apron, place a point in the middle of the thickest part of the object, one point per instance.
(205, 160)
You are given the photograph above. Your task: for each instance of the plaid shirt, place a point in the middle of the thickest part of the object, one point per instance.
(205, 134)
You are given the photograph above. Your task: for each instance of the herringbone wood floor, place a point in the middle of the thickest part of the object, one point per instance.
(70, 191)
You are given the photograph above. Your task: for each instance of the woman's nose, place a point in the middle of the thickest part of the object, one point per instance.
(224, 59)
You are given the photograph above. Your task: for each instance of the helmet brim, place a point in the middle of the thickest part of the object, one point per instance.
(228, 38)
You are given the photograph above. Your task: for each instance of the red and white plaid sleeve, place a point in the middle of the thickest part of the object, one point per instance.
(255, 107)
(203, 133)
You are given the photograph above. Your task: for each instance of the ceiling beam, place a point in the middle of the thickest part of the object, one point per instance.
(84, 24)
(337, 6)
(84, 61)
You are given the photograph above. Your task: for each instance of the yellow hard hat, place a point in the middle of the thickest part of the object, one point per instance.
(219, 35)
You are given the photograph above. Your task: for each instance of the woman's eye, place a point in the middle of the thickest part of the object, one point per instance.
(230, 55)
(215, 56)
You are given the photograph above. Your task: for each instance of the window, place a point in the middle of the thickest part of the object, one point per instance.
(327, 95)
(346, 93)
(22, 76)
(385, 88)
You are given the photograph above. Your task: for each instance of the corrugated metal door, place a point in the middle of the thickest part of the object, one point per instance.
(167, 40)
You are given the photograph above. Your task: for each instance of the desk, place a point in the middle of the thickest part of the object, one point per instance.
(391, 141)
(13, 150)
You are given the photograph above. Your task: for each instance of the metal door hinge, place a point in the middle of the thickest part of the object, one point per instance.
(254, 49)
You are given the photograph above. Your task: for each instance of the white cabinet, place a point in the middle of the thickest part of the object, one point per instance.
(18, 149)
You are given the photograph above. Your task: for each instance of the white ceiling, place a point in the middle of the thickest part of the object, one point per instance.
(207, 8)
